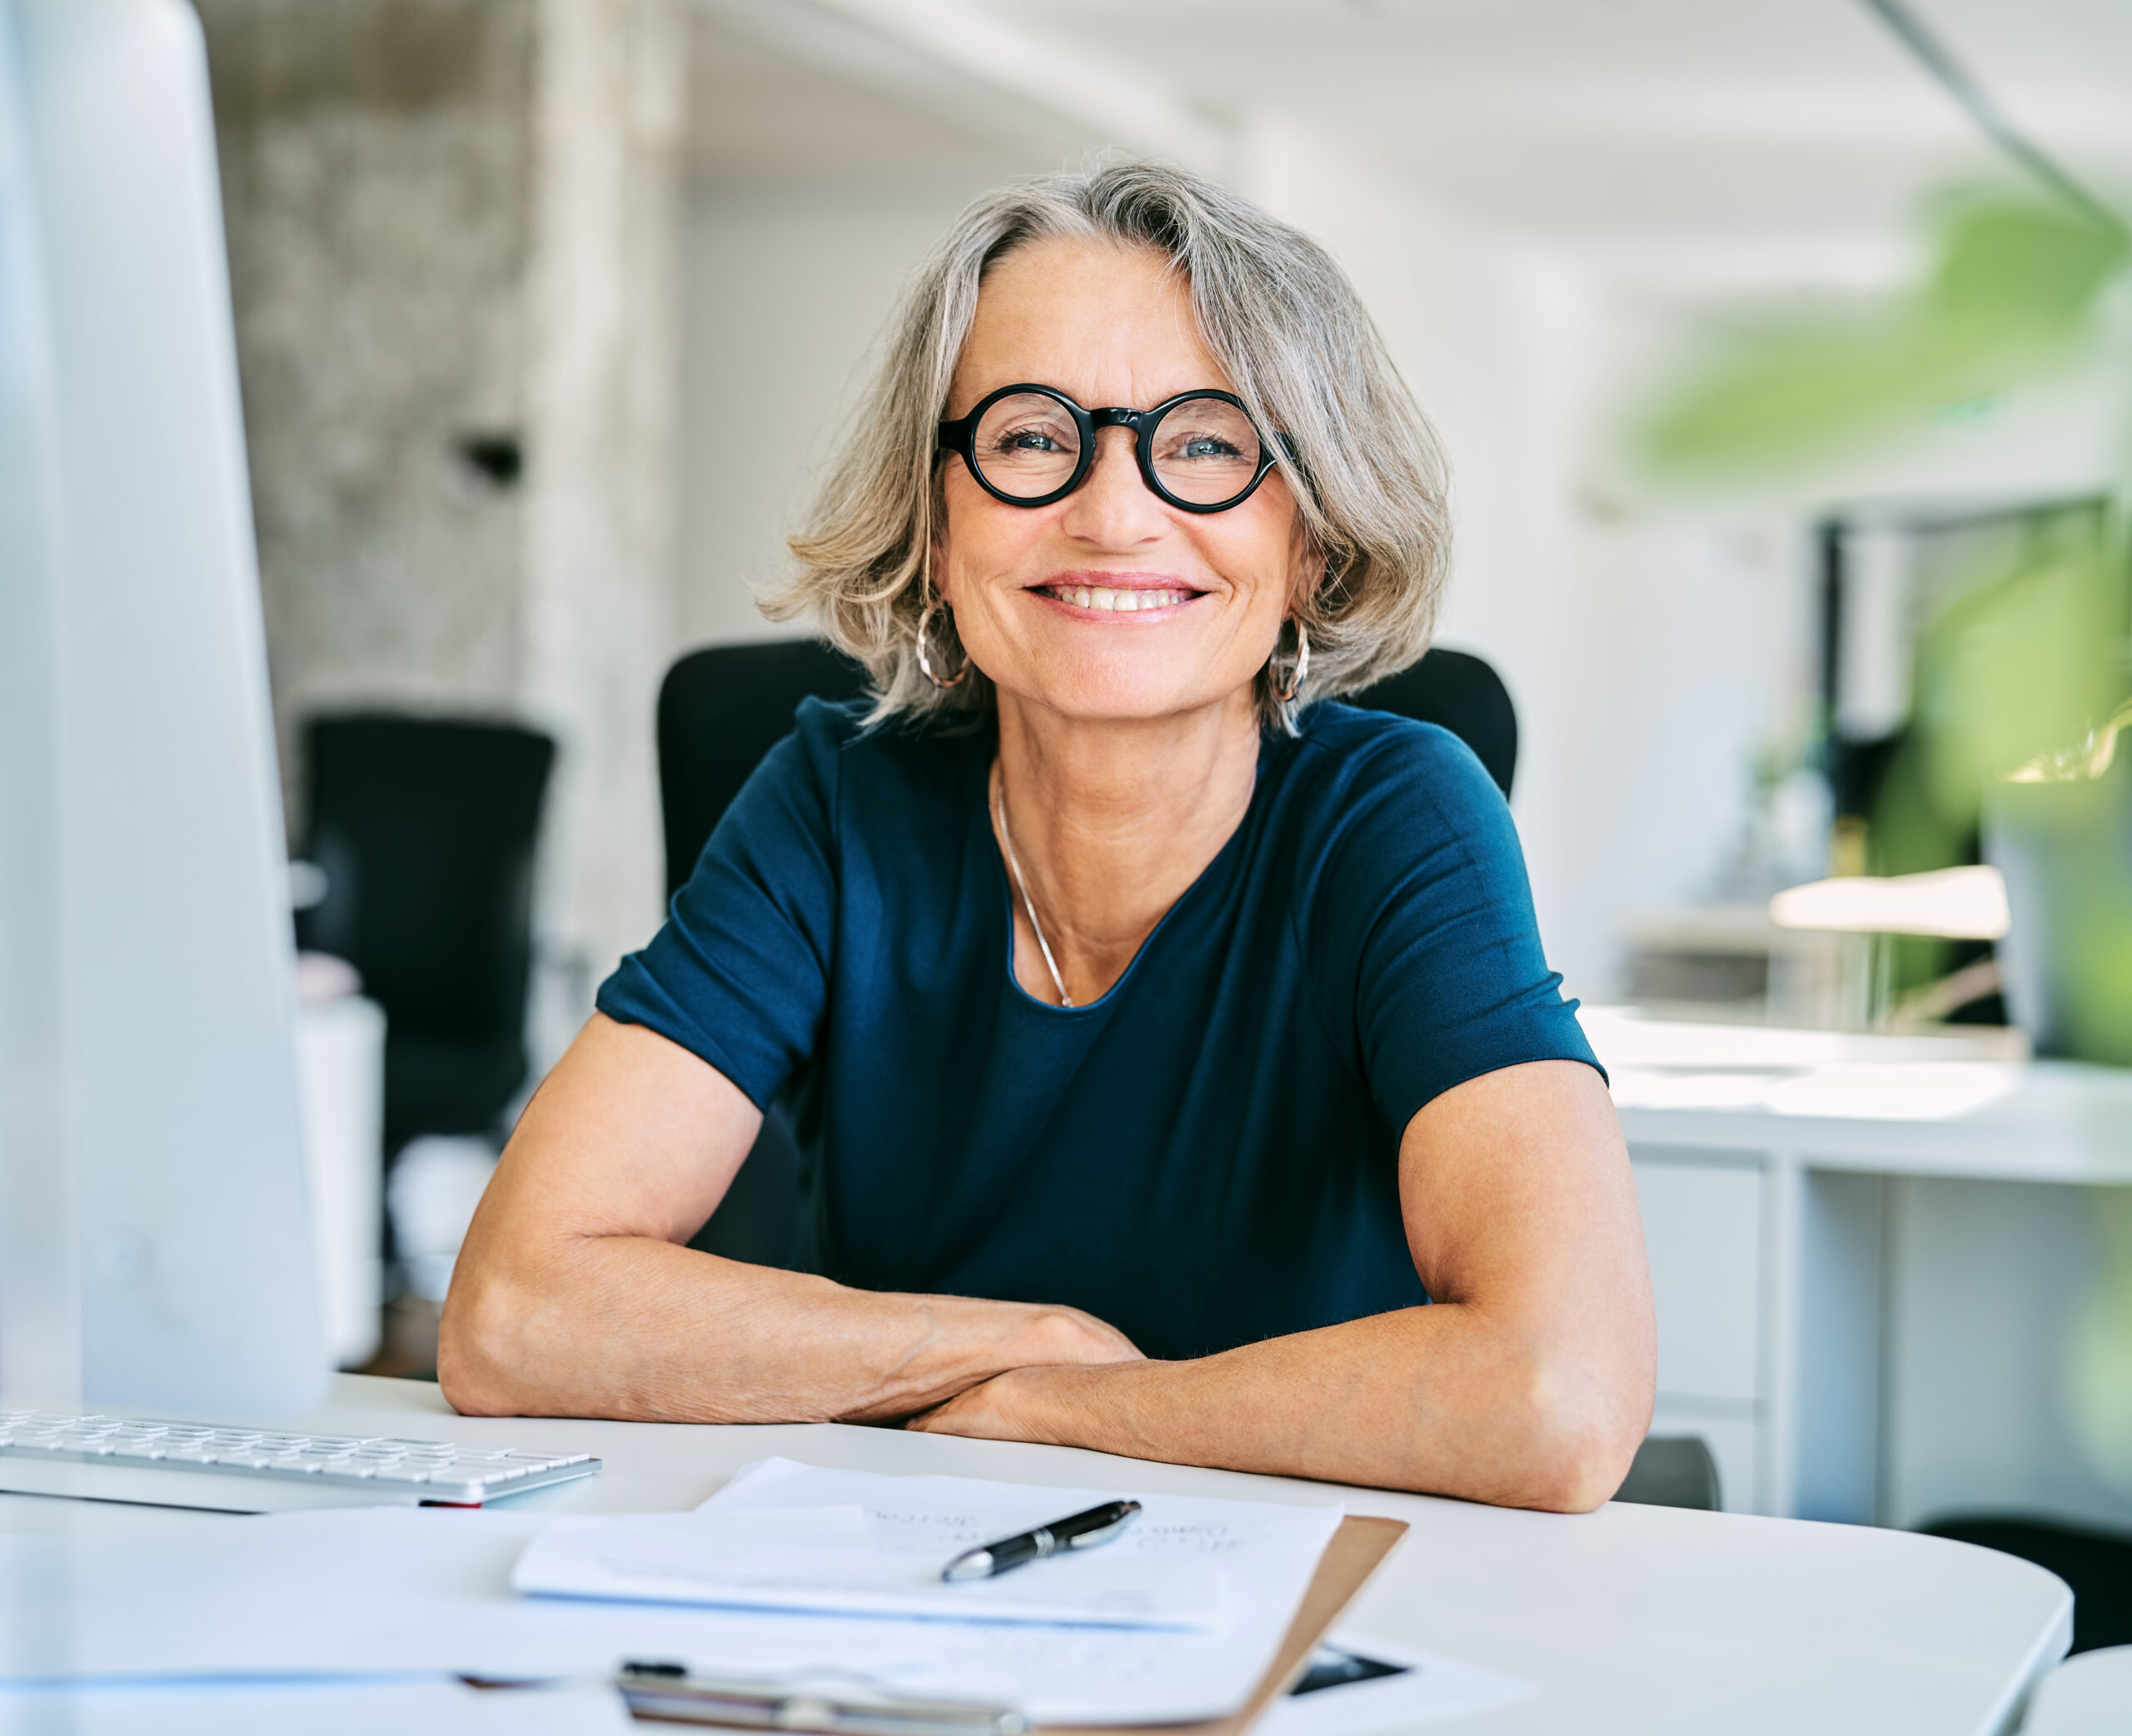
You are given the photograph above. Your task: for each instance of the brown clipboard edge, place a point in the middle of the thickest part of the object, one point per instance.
(1357, 1550)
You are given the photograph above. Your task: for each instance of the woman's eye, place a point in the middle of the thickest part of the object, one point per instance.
(1027, 440)
(1200, 446)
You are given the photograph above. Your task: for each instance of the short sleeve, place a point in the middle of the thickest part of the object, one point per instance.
(1423, 926)
(739, 974)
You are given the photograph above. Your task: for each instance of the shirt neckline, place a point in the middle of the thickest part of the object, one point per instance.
(1104, 1001)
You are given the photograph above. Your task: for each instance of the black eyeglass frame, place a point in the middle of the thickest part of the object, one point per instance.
(960, 435)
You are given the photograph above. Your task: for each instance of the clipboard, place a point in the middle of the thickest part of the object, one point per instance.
(664, 1692)
(1357, 1550)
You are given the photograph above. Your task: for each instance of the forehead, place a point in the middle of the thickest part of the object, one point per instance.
(1103, 323)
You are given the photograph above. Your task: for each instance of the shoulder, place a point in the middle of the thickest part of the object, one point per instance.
(833, 739)
(824, 729)
(872, 774)
(1375, 811)
(1349, 766)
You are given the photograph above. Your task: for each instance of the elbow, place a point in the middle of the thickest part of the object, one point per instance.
(481, 1365)
(1580, 1472)
(1582, 1430)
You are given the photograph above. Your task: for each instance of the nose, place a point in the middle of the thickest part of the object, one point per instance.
(1114, 507)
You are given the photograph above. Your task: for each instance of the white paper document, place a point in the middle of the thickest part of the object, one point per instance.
(406, 1590)
(781, 1536)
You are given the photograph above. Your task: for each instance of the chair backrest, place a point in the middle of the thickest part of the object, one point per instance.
(1673, 1470)
(720, 710)
(426, 827)
(1463, 694)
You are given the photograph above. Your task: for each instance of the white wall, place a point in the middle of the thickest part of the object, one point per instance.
(1650, 658)
(785, 288)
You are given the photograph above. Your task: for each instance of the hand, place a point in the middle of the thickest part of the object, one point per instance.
(1058, 1334)
(989, 1410)
(1023, 1404)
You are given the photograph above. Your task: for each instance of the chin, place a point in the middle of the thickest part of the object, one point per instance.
(1117, 696)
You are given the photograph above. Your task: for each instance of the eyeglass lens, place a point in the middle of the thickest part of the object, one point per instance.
(1203, 451)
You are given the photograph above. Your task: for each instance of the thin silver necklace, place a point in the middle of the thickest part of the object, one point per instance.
(1022, 886)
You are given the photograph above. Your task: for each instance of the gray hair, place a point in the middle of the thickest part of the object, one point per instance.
(1279, 316)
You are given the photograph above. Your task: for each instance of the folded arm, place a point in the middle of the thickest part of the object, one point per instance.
(575, 1296)
(1528, 1382)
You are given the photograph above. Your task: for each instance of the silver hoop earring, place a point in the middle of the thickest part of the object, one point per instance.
(925, 663)
(1286, 694)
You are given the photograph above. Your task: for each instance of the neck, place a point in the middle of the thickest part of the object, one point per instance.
(1111, 822)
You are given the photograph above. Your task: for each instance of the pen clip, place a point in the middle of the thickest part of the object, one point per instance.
(836, 1703)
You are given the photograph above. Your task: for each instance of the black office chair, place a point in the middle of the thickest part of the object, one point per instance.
(1672, 1471)
(2096, 1563)
(426, 829)
(1462, 693)
(722, 708)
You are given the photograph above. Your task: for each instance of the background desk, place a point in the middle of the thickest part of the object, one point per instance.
(1867, 1269)
(1631, 1621)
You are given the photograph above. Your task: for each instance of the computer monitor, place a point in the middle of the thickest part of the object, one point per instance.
(156, 1249)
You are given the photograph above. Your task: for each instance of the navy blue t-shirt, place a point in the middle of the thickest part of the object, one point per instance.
(1206, 1157)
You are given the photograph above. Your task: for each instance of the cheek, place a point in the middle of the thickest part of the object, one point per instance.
(979, 539)
(1259, 559)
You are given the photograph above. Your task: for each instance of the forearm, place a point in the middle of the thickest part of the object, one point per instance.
(1437, 1399)
(635, 1328)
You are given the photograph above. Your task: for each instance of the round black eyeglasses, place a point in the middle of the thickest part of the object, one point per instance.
(1030, 445)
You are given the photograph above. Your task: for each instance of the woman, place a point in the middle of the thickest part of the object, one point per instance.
(1179, 1070)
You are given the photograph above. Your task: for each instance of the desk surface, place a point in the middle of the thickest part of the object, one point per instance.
(1637, 1620)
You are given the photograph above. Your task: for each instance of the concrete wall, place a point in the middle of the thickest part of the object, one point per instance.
(601, 383)
(452, 222)
(376, 174)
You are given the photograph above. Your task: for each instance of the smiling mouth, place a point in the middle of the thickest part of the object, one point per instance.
(1115, 600)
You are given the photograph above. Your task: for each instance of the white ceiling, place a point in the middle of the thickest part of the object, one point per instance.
(1748, 139)
(760, 112)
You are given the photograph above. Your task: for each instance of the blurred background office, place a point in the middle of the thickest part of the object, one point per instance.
(1780, 348)
(548, 310)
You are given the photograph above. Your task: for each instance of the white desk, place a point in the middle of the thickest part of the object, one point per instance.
(1634, 1620)
(1866, 1266)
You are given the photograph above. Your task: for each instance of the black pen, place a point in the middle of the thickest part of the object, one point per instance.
(1098, 1524)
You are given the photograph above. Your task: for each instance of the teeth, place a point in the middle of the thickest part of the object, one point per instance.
(1120, 602)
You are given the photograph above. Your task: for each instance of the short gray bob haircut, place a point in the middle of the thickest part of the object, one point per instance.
(1282, 320)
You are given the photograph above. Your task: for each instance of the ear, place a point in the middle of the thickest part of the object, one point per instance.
(937, 576)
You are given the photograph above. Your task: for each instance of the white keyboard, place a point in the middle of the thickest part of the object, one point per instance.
(258, 1470)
